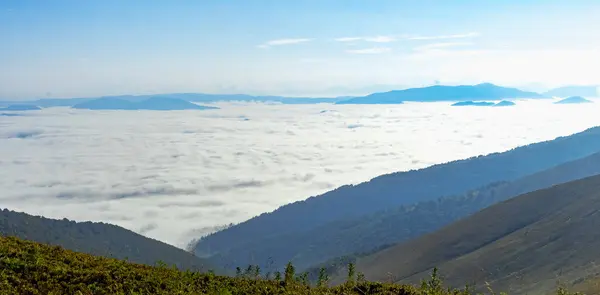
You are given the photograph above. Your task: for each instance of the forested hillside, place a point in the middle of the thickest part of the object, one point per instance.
(521, 245)
(97, 238)
(394, 225)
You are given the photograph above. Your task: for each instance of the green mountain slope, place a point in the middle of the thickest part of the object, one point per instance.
(520, 245)
(394, 225)
(98, 239)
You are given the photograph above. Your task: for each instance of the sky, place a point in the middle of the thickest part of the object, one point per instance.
(72, 48)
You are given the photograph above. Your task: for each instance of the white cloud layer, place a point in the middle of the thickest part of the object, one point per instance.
(177, 175)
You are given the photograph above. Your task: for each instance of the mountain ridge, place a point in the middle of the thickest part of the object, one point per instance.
(190, 97)
(210, 98)
(484, 91)
(534, 235)
(155, 103)
(400, 188)
(394, 225)
(566, 91)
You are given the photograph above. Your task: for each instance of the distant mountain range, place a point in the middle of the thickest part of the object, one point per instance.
(390, 191)
(97, 238)
(485, 91)
(585, 91)
(519, 246)
(155, 103)
(190, 97)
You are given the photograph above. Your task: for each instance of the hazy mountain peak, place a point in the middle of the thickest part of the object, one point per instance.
(483, 91)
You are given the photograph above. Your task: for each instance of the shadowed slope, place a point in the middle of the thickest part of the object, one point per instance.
(394, 225)
(393, 190)
(519, 245)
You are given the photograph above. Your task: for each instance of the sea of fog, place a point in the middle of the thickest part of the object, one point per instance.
(176, 175)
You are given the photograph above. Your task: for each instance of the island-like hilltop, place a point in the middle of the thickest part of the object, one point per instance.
(156, 103)
(504, 103)
(573, 100)
(20, 107)
(473, 103)
(485, 91)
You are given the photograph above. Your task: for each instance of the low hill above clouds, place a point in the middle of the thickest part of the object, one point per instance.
(100, 239)
(485, 91)
(520, 245)
(504, 103)
(573, 100)
(401, 188)
(20, 107)
(154, 103)
(473, 103)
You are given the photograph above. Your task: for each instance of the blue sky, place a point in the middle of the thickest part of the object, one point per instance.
(313, 47)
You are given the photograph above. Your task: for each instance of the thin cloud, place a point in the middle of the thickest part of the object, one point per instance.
(387, 39)
(348, 39)
(280, 42)
(381, 39)
(376, 39)
(312, 60)
(441, 45)
(372, 50)
(456, 36)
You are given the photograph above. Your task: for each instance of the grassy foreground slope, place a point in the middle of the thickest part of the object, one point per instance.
(97, 238)
(33, 268)
(521, 245)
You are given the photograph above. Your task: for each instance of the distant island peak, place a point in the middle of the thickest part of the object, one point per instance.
(155, 103)
(20, 107)
(573, 100)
